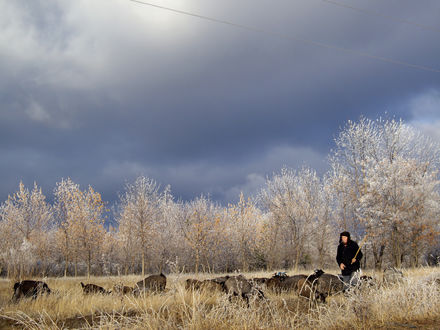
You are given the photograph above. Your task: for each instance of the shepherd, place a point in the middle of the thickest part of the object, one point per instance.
(348, 258)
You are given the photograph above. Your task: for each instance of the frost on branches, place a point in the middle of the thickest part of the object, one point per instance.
(383, 184)
(385, 176)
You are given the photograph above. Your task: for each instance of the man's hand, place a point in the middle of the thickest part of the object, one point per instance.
(342, 266)
(353, 260)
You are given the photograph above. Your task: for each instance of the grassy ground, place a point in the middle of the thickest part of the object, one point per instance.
(413, 303)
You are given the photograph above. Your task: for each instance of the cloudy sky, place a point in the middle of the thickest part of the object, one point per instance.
(102, 91)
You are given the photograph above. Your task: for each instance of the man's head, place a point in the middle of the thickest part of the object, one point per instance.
(344, 237)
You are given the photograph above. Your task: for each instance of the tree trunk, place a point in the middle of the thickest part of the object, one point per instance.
(15, 271)
(397, 254)
(378, 256)
(131, 264)
(197, 261)
(66, 260)
(321, 253)
(20, 270)
(244, 266)
(298, 254)
(143, 264)
(414, 256)
(272, 250)
(67, 253)
(321, 257)
(89, 257)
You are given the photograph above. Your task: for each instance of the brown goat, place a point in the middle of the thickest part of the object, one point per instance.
(221, 280)
(193, 284)
(329, 284)
(210, 285)
(93, 289)
(274, 283)
(152, 283)
(122, 289)
(260, 280)
(278, 284)
(240, 286)
(308, 287)
(291, 283)
(29, 288)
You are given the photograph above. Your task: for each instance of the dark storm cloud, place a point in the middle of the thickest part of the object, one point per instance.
(105, 91)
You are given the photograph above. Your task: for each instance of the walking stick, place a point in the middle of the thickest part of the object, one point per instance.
(360, 246)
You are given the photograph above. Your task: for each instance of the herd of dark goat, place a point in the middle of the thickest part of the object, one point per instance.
(316, 287)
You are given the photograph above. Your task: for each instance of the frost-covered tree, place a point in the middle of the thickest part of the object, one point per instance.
(87, 225)
(324, 230)
(109, 255)
(356, 147)
(292, 198)
(25, 217)
(64, 194)
(80, 223)
(127, 243)
(266, 232)
(242, 225)
(201, 226)
(168, 249)
(371, 152)
(10, 240)
(139, 211)
(401, 207)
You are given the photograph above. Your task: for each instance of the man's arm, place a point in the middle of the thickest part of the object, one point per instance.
(339, 256)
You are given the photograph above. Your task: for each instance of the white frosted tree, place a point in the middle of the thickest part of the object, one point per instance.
(87, 225)
(401, 207)
(267, 254)
(10, 241)
(357, 147)
(200, 222)
(168, 249)
(64, 194)
(242, 227)
(368, 149)
(292, 198)
(127, 242)
(324, 227)
(26, 217)
(138, 212)
(110, 253)
(80, 223)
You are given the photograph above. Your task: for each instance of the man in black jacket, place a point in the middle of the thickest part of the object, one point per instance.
(348, 257)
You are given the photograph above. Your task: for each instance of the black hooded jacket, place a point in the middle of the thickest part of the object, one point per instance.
(346, 253)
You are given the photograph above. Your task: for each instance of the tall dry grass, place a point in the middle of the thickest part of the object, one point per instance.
(415, 301)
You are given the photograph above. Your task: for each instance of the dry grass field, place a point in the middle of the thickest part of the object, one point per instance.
(412, 303)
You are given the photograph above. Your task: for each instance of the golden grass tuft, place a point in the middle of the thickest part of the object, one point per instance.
(413, 302)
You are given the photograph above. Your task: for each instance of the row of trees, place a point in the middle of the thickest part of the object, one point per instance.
(382, 184)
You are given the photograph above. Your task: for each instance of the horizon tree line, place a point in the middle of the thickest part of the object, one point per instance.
(382, 185)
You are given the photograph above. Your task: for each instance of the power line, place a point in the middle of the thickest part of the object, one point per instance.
(290, 38)
(376, 13)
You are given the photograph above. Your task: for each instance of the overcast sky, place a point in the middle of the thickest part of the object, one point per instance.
(102, 91)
